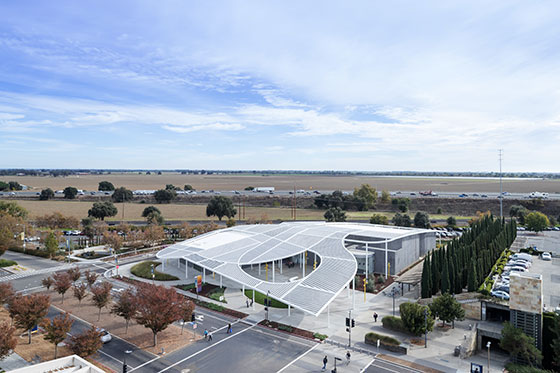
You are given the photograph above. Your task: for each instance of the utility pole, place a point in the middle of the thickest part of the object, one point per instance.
(349, 323)
(500, 154)
(426, 326)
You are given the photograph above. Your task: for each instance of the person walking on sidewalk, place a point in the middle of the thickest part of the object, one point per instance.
(209, 337)
(228, 329)
(347, 357)
(375, 316)
(325, 361)
(205, 334)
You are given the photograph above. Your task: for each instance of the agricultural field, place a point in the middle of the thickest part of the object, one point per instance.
(135, 181)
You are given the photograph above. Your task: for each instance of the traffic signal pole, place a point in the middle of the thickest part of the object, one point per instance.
(350, 328)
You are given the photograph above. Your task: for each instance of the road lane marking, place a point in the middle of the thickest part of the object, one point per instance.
(206, 348)
(299, 357)
(367, 366)
(104, 353)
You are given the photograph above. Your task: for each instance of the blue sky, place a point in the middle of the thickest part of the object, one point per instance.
(312, 85)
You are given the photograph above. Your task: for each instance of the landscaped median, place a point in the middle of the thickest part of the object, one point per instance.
(144, 270)
(260, 297)
(7, 263)
(293, 330)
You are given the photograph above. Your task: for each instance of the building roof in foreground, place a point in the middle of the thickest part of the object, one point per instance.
(224, 252)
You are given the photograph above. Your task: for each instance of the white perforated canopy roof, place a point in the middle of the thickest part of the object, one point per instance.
(224, 252)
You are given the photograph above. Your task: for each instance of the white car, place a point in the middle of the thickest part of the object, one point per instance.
(546, 256)
(514, 263)
(500, 294)
(515, 269)
(105, 336)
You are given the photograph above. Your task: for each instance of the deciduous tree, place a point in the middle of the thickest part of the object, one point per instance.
(451, 222)
(47, 282)
(80, 292)
(70, 192)
(8, 340)
(122, 195)
(29, 310)
(153, 234)
(519, 344)
(46, 194)
(56, 329)
(334, 214)
(86, 343)
(158, 307)
(412, 315)
(12, 209)
(51, 244)
(105, 186)
(101, 210)
(164, 195)
(186, 310)
(113, 240)
(402, 220)
(6, 292)
(220, 206)
(379, 219)
(447, 309)
(368, 194)
(536, 221)
(74, 273)
(91, 277)
(125, 307)
(101, 296)
(421, 220)
(62, 283)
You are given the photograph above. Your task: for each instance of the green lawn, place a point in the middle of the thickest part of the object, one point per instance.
(217, 293)
(7, 263)
(144, 270)
(259, 298)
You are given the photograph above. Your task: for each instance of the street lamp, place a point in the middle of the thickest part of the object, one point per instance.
(488, 347)
(125, 367)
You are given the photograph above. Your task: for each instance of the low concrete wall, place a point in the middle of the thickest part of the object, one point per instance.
(401, 349)
(472, 309)
(468, 347)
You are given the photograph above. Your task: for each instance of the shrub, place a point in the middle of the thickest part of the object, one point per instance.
(320, 336)
(372, 338)
(514, 368)
(285, 328)
(393, 323)
(7, 263)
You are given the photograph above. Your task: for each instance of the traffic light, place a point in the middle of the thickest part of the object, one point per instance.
(353, 323)
(192, 317)
(348, 330)
(266, 308)
(124, 368)
(347, 321)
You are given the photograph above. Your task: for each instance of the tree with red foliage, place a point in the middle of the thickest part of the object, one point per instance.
(158, 306)
(125, 306)
(101, 296)
(91, 277)
(8, 341)
(29, 310)
(55, 330)
(47, 282)
(62, 283)
(86, 343)
(80, 292)
(74, 274)
(6, 292)
(186, 309)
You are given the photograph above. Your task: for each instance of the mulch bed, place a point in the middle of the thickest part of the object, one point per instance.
(287, 329)
(206, 288)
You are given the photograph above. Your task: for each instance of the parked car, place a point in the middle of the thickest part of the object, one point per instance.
(502, 287)
(523, 256)
(546, 256)
(500, 294)
(514, 263)
(515, 269)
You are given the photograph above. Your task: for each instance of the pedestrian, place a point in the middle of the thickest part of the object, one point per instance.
(247, 302)
(375, 316)
(325, 361)
(347, 357)
(228, 329)
(205, 334)
(209, 337)
(251, 303)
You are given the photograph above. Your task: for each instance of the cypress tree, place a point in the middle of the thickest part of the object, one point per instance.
(472, 277)
(445, 284)
(426, 277)
(436, 276)
(451, 277)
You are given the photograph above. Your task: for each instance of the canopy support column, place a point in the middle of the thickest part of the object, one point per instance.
(353, 292)
(204, 275)
(289, 310)
(220, 281)
(186, 269)
(328, 316)
(253, 299)
(273, 271)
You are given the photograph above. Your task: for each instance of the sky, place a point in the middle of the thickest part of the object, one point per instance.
(290, 85)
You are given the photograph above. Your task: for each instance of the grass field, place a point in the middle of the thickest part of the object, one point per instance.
(134, 181)
(144, 270)
(184, 212)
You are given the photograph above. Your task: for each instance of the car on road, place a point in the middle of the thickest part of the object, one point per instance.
(463, 195)
(500, 294)
(105, 335)
(483, 196)
(546, 256)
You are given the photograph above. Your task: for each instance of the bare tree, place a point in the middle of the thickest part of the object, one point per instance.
(8, 341)
(74, 274)
(47, 282)
(91, 277)
(186, 308)
(6, 292)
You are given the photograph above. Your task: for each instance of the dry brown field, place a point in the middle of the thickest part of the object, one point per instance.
(287, 182)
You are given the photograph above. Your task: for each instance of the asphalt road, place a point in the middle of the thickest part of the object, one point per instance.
(384, 366)
(29, 261)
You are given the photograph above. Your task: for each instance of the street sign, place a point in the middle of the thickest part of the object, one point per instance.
(476, 368)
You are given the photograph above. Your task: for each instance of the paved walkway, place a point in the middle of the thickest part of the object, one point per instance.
(12, 362)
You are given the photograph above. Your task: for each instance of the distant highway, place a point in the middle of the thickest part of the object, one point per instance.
(309, 193)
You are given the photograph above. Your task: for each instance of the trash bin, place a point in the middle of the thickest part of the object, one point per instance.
(457, 350)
